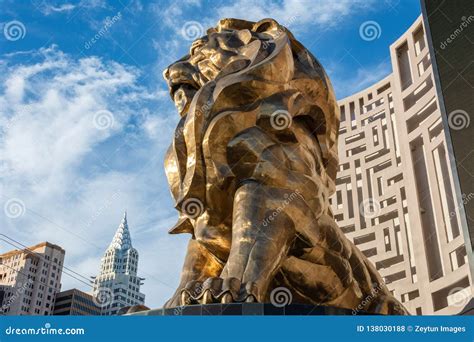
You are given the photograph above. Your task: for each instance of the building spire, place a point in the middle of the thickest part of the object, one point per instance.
(118, 273)
(122, 239)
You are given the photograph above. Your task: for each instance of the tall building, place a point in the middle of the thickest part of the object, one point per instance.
(395, 195)
(30, 279)
(74, 302)
(449, 29)
(117, 284)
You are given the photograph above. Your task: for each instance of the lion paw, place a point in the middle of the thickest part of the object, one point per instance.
(218, 290)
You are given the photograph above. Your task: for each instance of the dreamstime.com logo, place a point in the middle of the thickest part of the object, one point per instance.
(280, 31)
(14, 30)
(459, 297)
(46, 330)
(105, 205)
(288, 199)
(458, 119)
(108, 23)
(19, 291)
(14, 208)
(374, 293)
(369, 208)
(179, 310)
(465, 199)
(280, 297)
(280, 119)
(192, 208)
(465, 21)
(370, 30)
(192, 30)
(103, 297)
(103, 119)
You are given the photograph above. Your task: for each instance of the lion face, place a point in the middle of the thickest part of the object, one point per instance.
(222, 51)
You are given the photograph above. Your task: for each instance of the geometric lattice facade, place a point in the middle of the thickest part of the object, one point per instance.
(395, 197)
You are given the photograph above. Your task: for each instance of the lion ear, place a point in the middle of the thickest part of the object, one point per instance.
(211, 30)
(233, 24)
(265, 25)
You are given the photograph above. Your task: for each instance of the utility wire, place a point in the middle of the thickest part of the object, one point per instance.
(40, 256)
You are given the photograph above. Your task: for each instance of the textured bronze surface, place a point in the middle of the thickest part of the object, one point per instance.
(251, 167)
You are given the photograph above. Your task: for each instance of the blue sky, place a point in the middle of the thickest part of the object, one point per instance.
(85, 115)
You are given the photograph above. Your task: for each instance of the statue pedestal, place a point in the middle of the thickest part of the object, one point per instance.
(247, 309)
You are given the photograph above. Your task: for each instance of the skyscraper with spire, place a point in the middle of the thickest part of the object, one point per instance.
(117, 284)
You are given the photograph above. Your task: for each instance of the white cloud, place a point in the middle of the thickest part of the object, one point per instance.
(298, 15)
(296, 12)
(51, 7)
(53, 103)
(76, 179)
(60, 8)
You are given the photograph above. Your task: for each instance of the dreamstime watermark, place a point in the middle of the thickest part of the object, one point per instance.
(465, 21)
(179, 132)
(14, 208)
(459, 297)
(370, 30)
(369, 208)
(108, 23)
(458, 119)
(280, 297)
(103, 119)
(9, 124)
(19, 291)
(192, 207)
(204, 110)
(376, 289)
(107, 203)
(192, 30)
(24, 110)
(280, 119)
(46, 330)
(196, 292)
(103, 297)
(288, 199)
(14, 30)
(465, 199)
(280, 31)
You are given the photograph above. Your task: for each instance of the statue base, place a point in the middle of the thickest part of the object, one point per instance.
(249, 309)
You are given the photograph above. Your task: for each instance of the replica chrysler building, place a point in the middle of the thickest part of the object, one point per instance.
(117, 284)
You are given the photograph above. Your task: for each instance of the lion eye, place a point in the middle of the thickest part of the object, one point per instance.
(196, 45)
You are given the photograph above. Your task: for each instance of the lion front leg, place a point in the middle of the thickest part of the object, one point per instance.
(261, 237)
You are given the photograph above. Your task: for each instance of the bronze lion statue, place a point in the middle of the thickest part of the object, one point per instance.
(251, 168)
